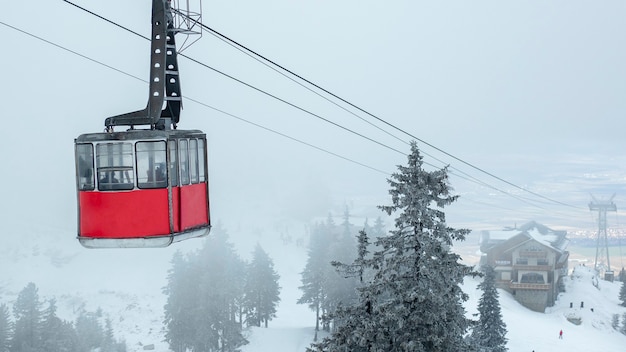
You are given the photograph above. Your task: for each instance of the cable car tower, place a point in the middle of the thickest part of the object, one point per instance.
(602, 245)
(147, 186)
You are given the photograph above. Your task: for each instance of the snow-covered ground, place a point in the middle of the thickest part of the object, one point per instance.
(127, 284)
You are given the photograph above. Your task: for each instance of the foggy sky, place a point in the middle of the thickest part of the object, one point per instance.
(532, 92)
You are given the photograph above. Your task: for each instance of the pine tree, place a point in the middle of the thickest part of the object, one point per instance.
(182, 295)
(314, 275)
(221, 287)
(622, 294)
(622, 275)
(378, 230)
(27, 312)
(262, 291)
(340, 289)
(489, 333)
(89, 331)
(204, 294)
(108, 341)
(414, 300)
(615, 321)
(6, 328)
(56, 335)
(623, 328)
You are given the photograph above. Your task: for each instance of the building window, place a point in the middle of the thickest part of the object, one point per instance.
(532, 278)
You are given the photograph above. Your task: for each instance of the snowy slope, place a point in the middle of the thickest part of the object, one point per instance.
(127, 284)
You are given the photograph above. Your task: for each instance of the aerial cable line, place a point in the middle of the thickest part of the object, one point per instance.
(257, 57)
(380, 119)
(262, 60)
(194, 100)
(239, 47)
(232, 115)
(71, 51)
(249, 85)
(247, 52)
(288, 137)
(306, 111)
(247, 121)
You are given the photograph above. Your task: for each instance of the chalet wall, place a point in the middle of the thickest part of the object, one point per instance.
(529, 269)
(533, 299)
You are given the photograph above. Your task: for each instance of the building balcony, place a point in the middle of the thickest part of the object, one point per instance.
(533, 267)
(533, 254)
(525, 286)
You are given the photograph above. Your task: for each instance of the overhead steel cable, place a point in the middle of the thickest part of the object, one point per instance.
(264, 61)
(250, 122)
(197, 101)
(328, 121)
(194, 100)
(249, 85)
(69, 50)
(380, 119)
(252, 55)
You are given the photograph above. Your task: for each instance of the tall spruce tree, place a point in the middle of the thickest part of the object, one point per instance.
(89, 331)
(204, 293)
(57, 335)
(615, 321)
(28, 314)
(489, 334)
(622, 294)
(182, 297)
(6, 328)
(340, 289)
(414, 300)
(262, 291)
(313, 277)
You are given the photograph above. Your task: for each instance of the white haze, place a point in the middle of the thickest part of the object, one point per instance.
(127, 284)
(531, 92)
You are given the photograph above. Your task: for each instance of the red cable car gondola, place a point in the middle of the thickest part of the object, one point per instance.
(145, 187)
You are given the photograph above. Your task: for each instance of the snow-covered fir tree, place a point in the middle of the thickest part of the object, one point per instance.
(204, 294)
(314, 274)
(89, 331)
(180, 303)
(489, 333)
(622, 294)
(6, 328)
(57, 335)
(28, 314)
(615, 321)
(262, 291)
(341, 290)
(39, 329)
(414, 301)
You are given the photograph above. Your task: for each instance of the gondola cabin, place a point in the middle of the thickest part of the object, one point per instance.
(141, 188)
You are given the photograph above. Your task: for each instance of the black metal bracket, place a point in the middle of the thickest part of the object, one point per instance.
(164, 77)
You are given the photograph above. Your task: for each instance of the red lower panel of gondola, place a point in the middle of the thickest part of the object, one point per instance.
(141, 218)
(127, 214)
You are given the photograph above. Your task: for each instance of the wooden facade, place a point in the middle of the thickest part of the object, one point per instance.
(530, 262)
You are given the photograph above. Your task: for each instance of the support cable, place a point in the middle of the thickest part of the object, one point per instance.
(378, 118)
